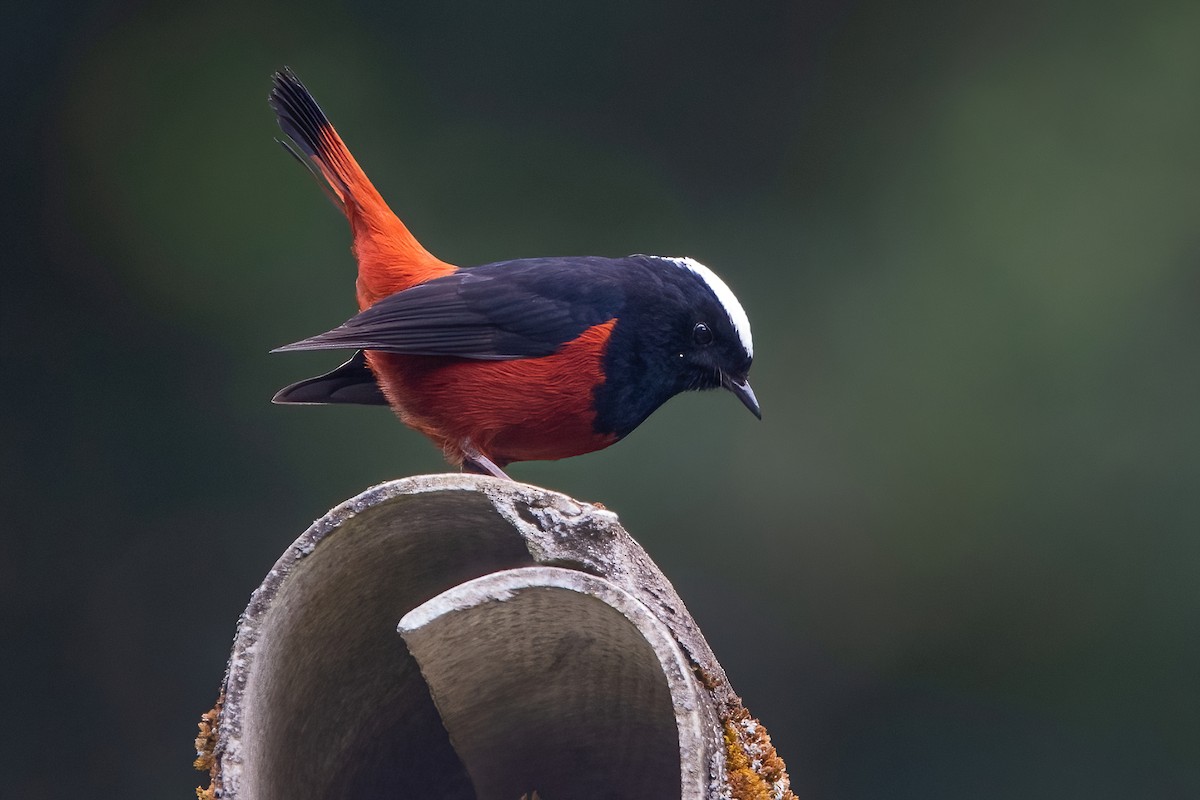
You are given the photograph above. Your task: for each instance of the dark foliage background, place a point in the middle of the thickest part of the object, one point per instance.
(957, 559)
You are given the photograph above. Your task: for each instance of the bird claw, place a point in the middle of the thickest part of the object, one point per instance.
(477, 462)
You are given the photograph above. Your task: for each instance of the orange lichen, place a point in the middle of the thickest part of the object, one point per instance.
(206, 744)
(755, 771)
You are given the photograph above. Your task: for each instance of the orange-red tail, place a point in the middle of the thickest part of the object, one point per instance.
(390, 259)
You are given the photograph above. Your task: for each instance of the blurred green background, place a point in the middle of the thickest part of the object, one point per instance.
(959, 556)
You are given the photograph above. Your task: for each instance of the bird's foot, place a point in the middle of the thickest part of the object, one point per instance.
(477, 462)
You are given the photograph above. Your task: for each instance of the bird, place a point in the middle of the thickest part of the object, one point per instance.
(520, 360)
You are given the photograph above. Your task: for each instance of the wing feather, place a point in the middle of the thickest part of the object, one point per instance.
(507, 310)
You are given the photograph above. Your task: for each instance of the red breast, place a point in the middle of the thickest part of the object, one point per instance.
(527, 409)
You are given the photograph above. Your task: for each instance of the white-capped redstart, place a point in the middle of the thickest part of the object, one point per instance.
(532, 359)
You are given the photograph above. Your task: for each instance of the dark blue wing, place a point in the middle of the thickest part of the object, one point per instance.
(351, 383)
(506, 310)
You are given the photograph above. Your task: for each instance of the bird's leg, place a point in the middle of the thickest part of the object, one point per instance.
(477, 462)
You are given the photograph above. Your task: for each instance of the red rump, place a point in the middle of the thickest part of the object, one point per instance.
(390, 259)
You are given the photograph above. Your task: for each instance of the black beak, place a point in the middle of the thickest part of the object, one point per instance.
(741, 389)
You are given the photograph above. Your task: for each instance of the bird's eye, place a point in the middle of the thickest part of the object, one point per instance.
(702, 335)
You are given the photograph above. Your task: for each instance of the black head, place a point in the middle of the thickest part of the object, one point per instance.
(682, 329)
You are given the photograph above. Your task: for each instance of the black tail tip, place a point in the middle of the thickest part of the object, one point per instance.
(283, 83)
(297, 111)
